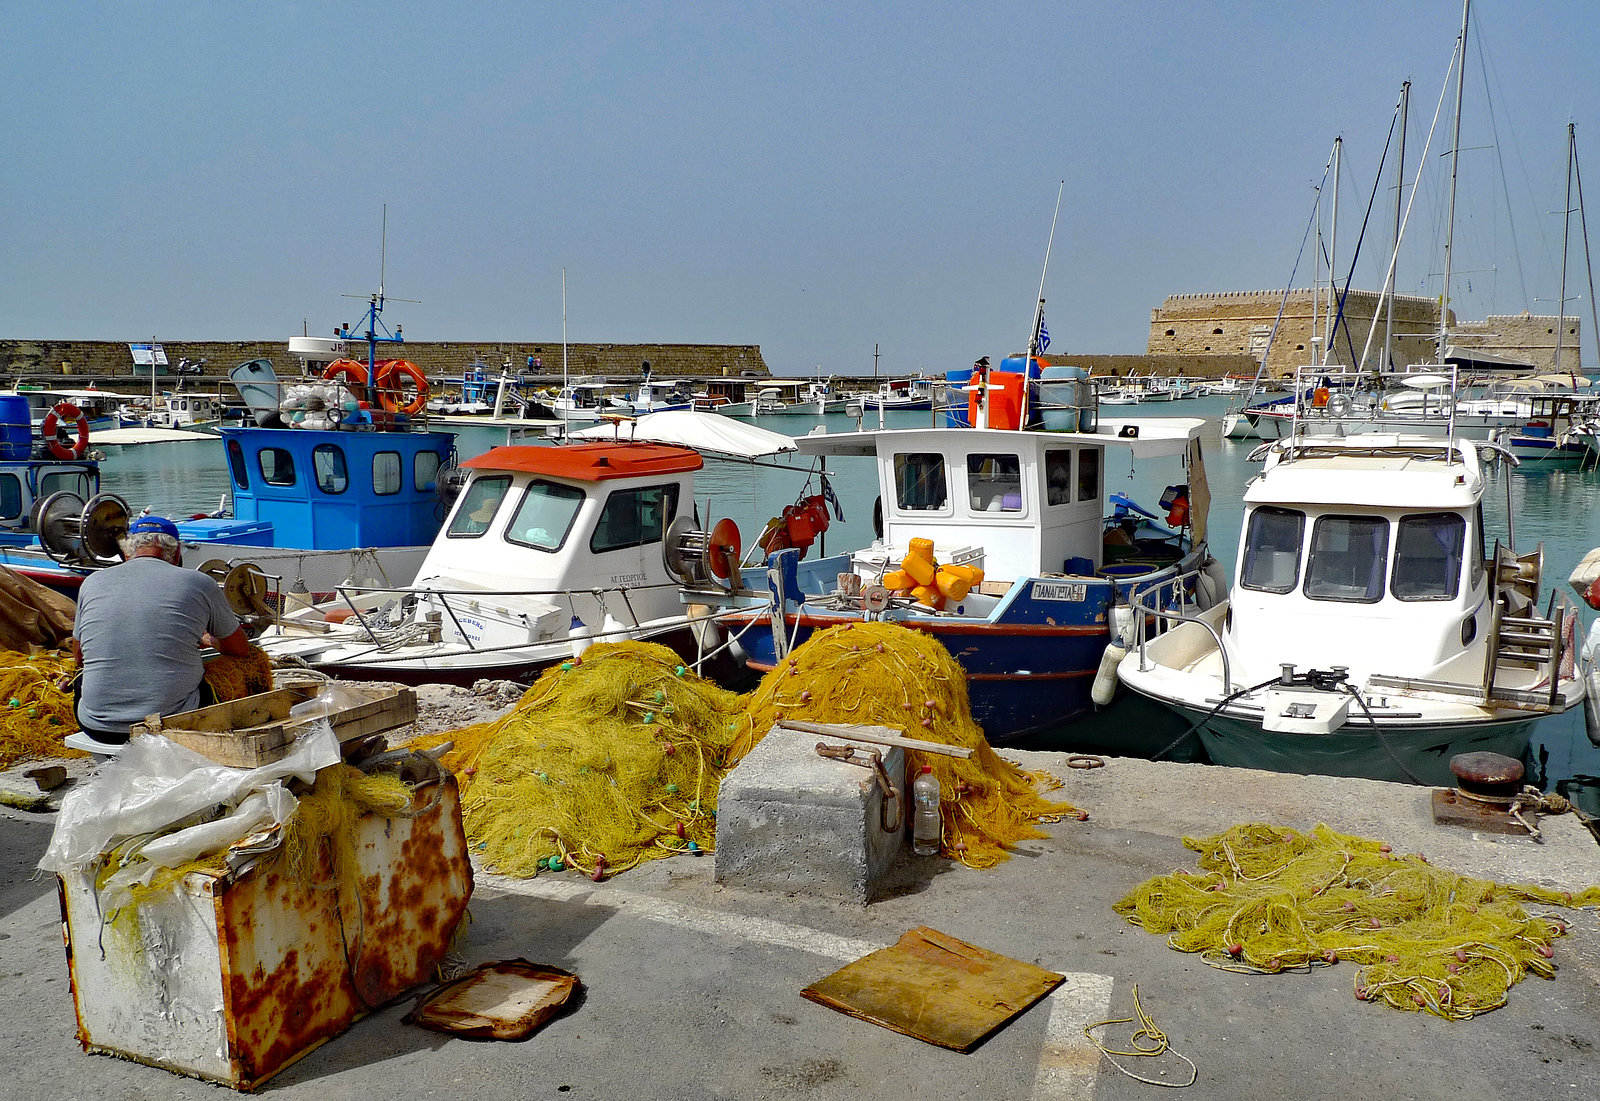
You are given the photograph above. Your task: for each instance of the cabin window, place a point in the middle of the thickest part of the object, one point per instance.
(1058, 477)
(634, 517)
(1348, 556)
(74, 480)
(386, 473)
(1272, 550)
(994, 483)
(479, 503)
(1480, 553)
(919, 482)
(277, 466)
(10, 496)
(1088, 474)
(327, 464)
(544, 515)
(1427, 556)
(425, 471)
(236, 467)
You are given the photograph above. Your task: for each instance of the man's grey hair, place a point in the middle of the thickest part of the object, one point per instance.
(133, 544)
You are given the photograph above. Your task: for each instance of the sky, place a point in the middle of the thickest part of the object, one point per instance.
(818, 179)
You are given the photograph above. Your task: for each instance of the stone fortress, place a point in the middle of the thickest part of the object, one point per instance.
(1239, 323)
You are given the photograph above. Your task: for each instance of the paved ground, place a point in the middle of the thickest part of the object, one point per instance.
(693, 990)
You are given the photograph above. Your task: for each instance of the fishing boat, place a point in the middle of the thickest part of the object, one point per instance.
(547, 550)
(900, 394)
(1016, 550)
(783, 397)
(1370, 631)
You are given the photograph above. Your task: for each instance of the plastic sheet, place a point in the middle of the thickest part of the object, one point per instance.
(154, 785)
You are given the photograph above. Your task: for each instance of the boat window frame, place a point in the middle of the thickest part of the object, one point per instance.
(572, 517)
(669, 510)
(1250, 548)
(1460, 554)
(999, 459)
(237, 466)
(930, 474)
(10, 510)
(1379, 523)
(1064, 484)
(452, 531)
(341, 469)
(399, 474)
(288, 461)
(1089, 490)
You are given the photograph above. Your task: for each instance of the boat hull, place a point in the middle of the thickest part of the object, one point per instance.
(1401, 754)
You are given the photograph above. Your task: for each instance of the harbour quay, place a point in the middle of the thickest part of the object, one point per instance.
(692, 990)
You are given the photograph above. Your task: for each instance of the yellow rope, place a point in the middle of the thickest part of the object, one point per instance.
(1148, 1042)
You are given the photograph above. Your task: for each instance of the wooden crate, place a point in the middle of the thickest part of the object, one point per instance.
(258, 730)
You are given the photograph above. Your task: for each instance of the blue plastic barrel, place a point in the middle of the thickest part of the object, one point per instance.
(1062, 399)
(16, 428)
(955, 412)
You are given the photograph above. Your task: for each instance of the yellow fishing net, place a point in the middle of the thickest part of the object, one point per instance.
(616, 758)
(1270, 899)
(886, 675)
(234, 678)
(34, 714)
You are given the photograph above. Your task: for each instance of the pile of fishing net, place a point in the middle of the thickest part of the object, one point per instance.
(1270, 899)
(608, 760)
(887, 675)
(616, 757)
(34, 714)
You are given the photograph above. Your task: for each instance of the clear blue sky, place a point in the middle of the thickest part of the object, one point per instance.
(813, 178)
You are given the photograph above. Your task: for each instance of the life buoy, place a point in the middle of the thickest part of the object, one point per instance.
(50, 430)
(389, 391)
(352, 372)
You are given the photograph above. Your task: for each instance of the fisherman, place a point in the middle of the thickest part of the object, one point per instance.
(139, 630)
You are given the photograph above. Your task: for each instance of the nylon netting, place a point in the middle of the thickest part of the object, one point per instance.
(34, 714)
(615, 758)
(1269, 899)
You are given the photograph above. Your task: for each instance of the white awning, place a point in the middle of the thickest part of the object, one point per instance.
(708, 433)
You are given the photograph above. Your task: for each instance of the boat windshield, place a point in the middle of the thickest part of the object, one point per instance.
(1272, 550)
(478, 505)
(1348, 556)
(544, 515)
(1427, 556)
(919, 481)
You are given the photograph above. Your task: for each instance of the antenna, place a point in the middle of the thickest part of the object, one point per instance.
(1038, 310)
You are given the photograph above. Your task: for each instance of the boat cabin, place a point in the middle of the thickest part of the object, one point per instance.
(1396, 581)
(331, 490)
(1015, 503)
(562, 523)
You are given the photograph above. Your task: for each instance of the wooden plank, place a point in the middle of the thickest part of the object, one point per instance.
(877, 735)
(249, 746)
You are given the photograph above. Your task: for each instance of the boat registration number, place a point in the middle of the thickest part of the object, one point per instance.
(1075, 591)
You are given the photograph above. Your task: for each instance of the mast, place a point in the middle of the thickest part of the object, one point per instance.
(1455, 160)
(1333, 252)
(1399, 190)
(1566, 229)
(1038, 311)
(566, 383)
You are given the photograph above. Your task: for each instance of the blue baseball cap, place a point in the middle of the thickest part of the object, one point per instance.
(160, 525)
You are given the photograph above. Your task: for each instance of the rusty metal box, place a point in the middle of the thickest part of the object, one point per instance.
(233, 976)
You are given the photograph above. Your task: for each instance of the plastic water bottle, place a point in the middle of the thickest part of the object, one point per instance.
(926, 827)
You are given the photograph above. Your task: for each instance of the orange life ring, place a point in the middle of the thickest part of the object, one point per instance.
(389, 392)
(50, 430)
(351, 372)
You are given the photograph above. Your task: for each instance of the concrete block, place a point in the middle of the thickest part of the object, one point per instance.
(789, 820)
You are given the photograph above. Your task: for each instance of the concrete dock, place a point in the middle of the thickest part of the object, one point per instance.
(693, 990)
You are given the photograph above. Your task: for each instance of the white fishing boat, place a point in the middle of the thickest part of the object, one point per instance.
(546, 550)
(1369, 631)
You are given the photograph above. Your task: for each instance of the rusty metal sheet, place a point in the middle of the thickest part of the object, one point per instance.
(935, 988)
(1450, 809)
(506, 1000)
(233, 977)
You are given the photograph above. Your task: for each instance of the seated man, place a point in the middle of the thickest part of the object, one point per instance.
(139, 630)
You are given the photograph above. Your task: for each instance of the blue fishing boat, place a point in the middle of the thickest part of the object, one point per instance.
(1001, 542)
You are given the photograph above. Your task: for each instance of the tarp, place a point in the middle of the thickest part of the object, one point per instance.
(32, 613)
(705, 432)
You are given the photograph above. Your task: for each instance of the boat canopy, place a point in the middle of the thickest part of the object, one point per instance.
(1146, 438)
(589, 462)
(704, 432)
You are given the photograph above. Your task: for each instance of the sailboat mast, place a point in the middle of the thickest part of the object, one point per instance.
(1333, 252)
(1455, 160)
(1566, 230)
(1038, 310)
(1387, 362)
(566, 383)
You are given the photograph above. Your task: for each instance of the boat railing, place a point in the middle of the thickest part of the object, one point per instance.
(1159, 606)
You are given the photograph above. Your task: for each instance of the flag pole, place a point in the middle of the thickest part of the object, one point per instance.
(1038, 310)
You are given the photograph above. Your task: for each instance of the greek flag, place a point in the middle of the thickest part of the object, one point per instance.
(1044, 335)
(832, 498)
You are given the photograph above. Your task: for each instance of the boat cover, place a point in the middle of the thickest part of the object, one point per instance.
(705, 432)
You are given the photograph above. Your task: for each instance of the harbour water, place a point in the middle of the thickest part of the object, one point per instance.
(1553, 507)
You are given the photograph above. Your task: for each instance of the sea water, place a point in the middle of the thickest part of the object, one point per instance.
(1553, 507)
